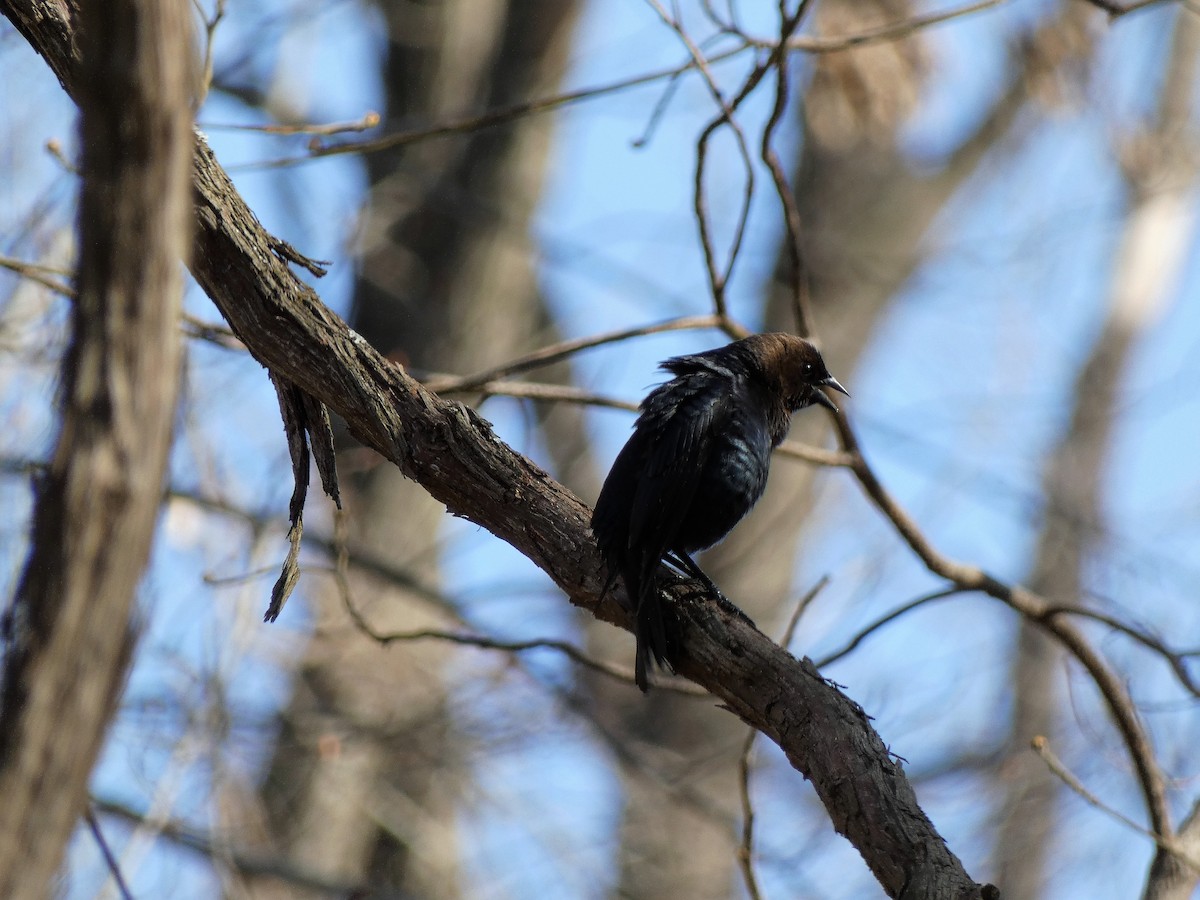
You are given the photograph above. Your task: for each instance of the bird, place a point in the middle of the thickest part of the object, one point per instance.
(695, 464)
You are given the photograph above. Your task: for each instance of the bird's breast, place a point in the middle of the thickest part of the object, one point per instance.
(732, 481)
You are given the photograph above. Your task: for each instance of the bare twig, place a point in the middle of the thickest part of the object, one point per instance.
(210, 31)
(969, 578)
(193, 327)
(369, 120)
(1117, 10)
(717, 277)
(745, 851)
(791, 210)
(212, 332)
(545, 356)
(1042, 748)
(529, 390)
(341, 547)
(55, 148)
(1174, 658)
(187, 837)
(660, 108)
(110, 860)
(890, 617)
(893, 31)
(40, 274)
(490, 118)
(623, 674)
(805, 602)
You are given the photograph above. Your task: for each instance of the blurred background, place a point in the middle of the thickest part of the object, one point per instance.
(999, 228)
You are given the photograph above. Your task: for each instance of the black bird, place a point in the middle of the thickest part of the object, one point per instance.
(696, 463)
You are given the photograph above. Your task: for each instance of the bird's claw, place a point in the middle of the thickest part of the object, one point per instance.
(729, 606)
(732, 608)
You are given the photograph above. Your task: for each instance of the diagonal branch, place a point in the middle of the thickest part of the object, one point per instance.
(1034, 607)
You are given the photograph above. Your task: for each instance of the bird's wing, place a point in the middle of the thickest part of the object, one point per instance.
(680, 424)
(610, 518)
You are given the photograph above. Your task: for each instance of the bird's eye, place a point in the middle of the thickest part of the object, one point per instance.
(808, 367)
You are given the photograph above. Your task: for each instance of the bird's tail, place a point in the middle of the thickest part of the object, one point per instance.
(656, 636)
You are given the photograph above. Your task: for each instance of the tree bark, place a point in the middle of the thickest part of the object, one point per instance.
(69, 633)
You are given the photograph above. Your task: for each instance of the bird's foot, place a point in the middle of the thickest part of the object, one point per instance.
(688, 566)
(730, 607)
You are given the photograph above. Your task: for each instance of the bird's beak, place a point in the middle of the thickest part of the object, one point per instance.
(833, 383)
(819, 396)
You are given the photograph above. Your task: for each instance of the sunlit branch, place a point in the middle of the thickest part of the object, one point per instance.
(1041, 747)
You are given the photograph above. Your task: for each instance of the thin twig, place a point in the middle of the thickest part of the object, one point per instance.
(660, 108)
(1041, 747)
(1174, 658)
(717, 277)
(622, 674)
(545, 356)
(559, 393)
(55, 148)
(1029, 604)
(745, 851)
(39, 273)
(805, 602)
(210, 30)
(805, 44)
(893, 31)
(109, 859)
(1117, 10)
(487, 119)
(185, 836)
(528, 390)
(817, 455)
(890, 617)
(369, 120)
(218, 335)
(787, 200)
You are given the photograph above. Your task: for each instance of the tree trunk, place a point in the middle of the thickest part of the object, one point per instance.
(69, 633)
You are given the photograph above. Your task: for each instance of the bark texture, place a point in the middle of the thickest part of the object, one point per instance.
(69, 634)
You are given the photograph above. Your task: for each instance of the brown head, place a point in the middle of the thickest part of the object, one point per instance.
(794, 369)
